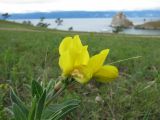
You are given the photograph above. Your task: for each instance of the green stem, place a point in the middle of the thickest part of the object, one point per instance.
(62, 84)
(125, 60)
(55, 95)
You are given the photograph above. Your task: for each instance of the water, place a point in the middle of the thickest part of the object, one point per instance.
(95, 25)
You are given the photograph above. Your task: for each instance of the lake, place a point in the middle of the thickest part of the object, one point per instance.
(95, 25)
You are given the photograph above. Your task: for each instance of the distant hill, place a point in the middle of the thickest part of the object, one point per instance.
(84, 14)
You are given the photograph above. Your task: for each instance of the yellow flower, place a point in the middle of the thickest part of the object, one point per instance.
(75, 61)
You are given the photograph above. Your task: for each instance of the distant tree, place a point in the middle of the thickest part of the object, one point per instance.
(27, 22)
(117, 29)
(70, 29)
(5, 16)
(58, 21)
(42, 19)
(40, 24)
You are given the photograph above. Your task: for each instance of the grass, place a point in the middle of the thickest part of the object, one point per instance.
(28, 55)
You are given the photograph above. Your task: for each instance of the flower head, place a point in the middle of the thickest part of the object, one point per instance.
(75, 61)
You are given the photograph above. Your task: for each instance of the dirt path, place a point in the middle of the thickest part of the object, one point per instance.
(31, 30)
(20, 29)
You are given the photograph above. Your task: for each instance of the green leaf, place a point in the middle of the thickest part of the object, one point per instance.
(16, 100)
(18, 113)
(40, 106)
(33, 109)
(37, 90)
(64, 113)
(50, 85)
(49, 89)
(59, 111)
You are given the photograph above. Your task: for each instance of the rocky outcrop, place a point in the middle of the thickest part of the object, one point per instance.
(154, 25)
(120, 20)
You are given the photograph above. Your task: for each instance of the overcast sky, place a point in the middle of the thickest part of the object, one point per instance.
(18, 6)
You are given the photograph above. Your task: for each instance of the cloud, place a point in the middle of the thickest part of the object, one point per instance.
(14, 6)
(24, 1)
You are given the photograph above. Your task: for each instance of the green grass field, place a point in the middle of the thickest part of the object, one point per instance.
(33, 54)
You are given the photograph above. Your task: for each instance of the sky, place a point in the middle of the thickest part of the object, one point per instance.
(23, 6)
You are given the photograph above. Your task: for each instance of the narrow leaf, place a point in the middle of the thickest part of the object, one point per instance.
(65, 112)
(15, 99)
(18, 113)
(37, 90)
(50, 85)
(58, 111)
(33, 109)
(40, 106)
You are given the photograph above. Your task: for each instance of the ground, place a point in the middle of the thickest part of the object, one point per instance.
(28, 53)
(153, 25)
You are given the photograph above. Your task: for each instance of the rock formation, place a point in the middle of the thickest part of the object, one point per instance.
(120, 20)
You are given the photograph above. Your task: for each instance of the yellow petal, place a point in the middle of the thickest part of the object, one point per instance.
(77, 45)
(85, 72)
(106, 73)
(96, 62)
(66, 62)
(72, 44)
(72, 54)
(82, 57)
(82, 74)
(65, 44)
